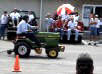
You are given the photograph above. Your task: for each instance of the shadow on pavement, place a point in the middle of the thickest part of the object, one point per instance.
(40, 57)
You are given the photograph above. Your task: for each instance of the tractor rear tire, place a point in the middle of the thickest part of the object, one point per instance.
(22, 49)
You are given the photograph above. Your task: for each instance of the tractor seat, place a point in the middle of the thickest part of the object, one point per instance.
(20, 37)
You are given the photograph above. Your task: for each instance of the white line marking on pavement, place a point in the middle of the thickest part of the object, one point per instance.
(84, 42)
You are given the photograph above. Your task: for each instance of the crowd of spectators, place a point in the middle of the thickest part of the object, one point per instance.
(68, 23)
(71, 22)
(65, 22)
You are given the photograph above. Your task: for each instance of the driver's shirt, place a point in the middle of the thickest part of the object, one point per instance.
(72, 25)
(23, 27)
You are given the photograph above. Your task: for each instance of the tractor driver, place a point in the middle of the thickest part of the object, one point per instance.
(24, 29)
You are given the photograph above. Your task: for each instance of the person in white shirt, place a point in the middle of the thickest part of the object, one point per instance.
(98, 24)
(65, 17)
(72, 26)
(31, 16)
(15, 17)
(25, 29)
(93, 29)
(4, 21)
(32, 19)
(76, 17)
(49, 22)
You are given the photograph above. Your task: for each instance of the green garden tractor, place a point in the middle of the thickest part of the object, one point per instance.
(49, 41)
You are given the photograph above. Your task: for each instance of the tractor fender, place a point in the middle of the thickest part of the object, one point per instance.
(25, 41)
(50, 47)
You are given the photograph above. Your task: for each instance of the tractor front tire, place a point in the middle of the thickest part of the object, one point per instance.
(52, 53)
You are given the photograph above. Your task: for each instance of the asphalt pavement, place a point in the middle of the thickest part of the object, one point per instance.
(41, 64)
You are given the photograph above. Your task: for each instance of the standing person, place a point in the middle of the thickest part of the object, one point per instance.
(65, 17)
(24, 29)
(98, 24)
(15, 17)
(76, 17)
(4, 22)
(32, 19)
(72, 26)
(93, 29)
(31, 16)
(49, 21)
(59, 27)
(55, 16)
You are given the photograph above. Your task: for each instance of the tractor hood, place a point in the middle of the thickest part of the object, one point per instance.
(48, 35)
(51, 39)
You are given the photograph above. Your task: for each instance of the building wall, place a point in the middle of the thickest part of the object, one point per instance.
(9, 5)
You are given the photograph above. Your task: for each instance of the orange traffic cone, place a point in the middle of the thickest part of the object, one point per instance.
(17, 65)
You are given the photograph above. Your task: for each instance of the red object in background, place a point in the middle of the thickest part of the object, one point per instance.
(59, 23)
(65, 7)
(80, 26)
